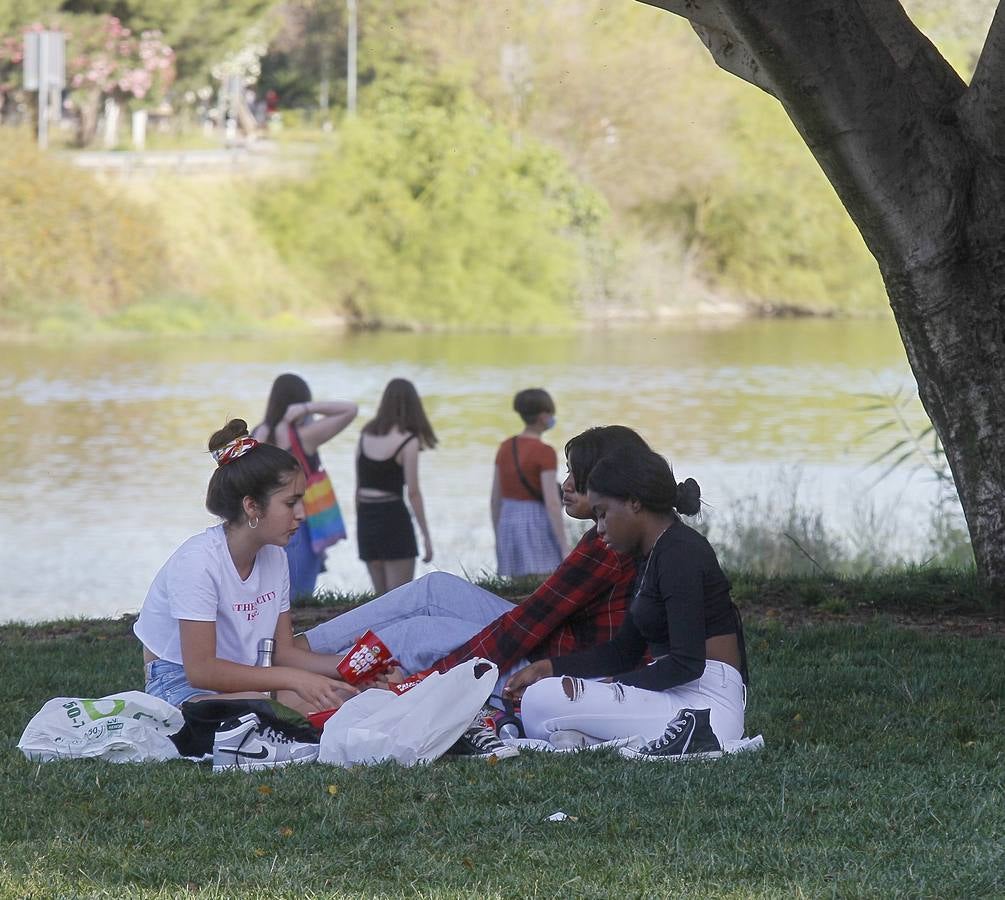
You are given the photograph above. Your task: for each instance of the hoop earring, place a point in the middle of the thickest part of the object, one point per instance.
(253, 523)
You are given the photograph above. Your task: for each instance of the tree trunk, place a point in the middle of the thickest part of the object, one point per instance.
(87, 123)
(918, 160)
(950, 315)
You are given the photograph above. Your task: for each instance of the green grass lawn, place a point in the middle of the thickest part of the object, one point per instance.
(882, 776)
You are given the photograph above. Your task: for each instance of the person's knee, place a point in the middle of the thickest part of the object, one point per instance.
(437, 582)
(573, 688)
(542, 701)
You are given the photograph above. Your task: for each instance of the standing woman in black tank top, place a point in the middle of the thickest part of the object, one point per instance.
(387, 461)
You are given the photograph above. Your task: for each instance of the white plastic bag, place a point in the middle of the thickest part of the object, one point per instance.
(126, 727)
(417, 726)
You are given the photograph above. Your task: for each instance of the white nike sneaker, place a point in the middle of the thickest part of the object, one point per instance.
(246, 744)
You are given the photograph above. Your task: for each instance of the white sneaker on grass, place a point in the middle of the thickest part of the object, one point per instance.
(247, 744)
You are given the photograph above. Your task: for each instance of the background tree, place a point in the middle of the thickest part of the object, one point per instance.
(712, 196)
(104, 61)
(428, 208)
(917, 157)
(200, 33)
(107, 61)
(307, 55)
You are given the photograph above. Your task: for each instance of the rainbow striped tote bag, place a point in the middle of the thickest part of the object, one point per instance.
(324, 518)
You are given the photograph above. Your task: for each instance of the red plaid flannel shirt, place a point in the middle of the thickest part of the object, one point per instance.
(581, 605)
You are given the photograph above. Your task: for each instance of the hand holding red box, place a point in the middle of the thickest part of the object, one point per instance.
(367, 657)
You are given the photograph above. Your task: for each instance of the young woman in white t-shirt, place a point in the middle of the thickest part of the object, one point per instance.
(224, 590)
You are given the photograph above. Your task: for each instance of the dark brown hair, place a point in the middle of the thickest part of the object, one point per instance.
(256, 474)
(401, 407)
(531, 402)
(584, 450)
(287, 389)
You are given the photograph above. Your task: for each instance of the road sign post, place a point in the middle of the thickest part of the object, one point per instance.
(45, 72)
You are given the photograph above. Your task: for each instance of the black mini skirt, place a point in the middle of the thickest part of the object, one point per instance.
(384, 530)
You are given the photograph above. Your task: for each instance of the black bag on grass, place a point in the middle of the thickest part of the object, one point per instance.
(204, 717)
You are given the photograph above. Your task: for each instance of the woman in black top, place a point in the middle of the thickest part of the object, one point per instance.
(681, 617)
(387, 462)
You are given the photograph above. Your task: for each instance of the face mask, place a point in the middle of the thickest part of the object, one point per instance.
(550, 423)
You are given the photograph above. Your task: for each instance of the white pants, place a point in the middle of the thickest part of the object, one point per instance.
(607, 711)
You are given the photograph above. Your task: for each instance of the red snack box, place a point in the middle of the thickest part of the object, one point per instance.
(368, 657)
(411, 681)
(318, 719)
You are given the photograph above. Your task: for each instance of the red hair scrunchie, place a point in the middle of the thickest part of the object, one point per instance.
(234, 450)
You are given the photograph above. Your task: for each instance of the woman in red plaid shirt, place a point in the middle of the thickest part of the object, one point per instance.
(442, 620)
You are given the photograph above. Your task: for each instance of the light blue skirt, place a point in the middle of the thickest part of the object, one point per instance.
(305, 564)
(525, 543)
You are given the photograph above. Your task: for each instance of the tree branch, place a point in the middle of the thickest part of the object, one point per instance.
(982, 108)
(891, 163)
(936, 83)
(711, 26)
(732, 55)
(868, 94)
(698, 12)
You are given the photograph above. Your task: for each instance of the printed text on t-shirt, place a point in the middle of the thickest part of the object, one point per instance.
(251, 609)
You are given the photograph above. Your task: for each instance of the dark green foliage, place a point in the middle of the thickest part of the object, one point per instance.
(309, 45)
(913, 589)
(430, 213)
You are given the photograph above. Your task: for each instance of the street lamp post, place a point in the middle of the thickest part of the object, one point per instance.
(350, 79)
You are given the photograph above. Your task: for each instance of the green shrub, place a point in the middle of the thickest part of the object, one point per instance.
(219, 254)
(433, 215)
(68, 240)
(774, 231)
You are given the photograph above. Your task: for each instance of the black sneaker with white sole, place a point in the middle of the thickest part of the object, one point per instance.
(689, 736)
(480, 742)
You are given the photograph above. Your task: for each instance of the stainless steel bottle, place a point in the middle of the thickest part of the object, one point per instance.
(265, 648)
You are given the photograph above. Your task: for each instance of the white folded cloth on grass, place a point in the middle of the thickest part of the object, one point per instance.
(571, 741)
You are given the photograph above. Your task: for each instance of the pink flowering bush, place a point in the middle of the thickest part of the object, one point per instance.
(112, 59)
(104, 59)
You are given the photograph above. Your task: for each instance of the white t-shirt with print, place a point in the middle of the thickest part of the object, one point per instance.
(200, 583)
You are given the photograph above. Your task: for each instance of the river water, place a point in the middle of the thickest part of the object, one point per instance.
(105, 469)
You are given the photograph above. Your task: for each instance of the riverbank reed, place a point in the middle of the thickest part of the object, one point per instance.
(881, 776)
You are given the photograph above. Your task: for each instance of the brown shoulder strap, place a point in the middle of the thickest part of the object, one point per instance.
(523, 478)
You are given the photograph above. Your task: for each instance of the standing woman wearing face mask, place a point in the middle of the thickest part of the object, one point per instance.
(526, 507)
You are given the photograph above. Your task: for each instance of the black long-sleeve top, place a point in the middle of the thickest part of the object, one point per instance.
(682, 598)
